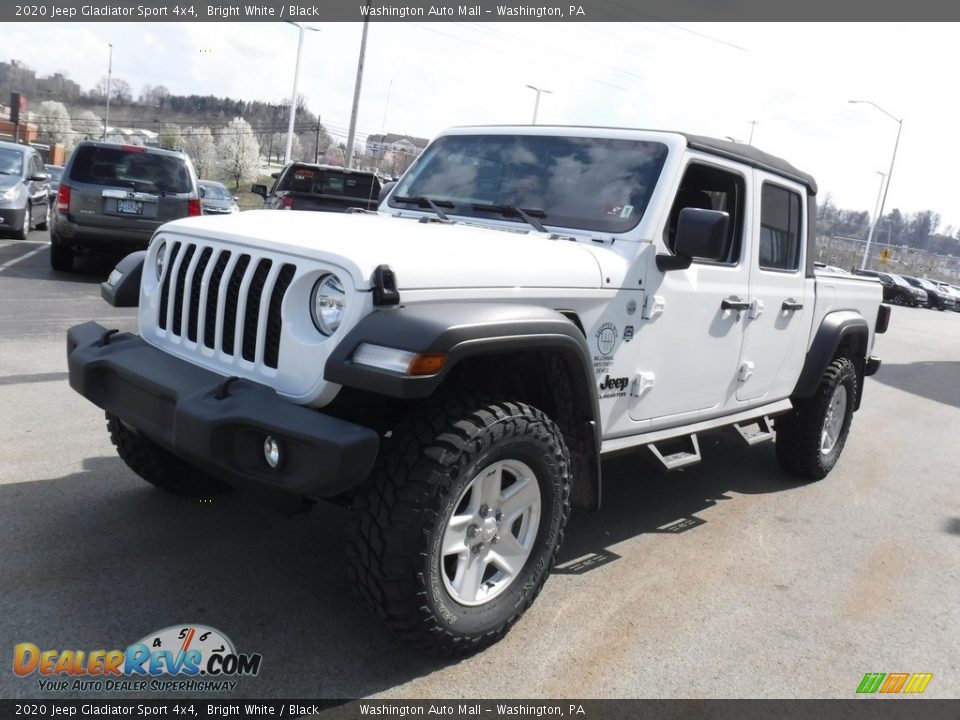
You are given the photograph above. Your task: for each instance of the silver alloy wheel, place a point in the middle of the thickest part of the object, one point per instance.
(490, 532)
(833, 422)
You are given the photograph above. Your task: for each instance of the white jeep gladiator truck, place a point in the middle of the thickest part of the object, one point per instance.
(455, 365)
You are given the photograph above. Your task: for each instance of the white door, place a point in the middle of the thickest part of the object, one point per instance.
(687, 356)
(781, 297)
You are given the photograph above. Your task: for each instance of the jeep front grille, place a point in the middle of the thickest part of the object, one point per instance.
(229, 301)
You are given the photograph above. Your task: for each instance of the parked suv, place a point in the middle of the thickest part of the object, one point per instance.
(302, 186)
(897, 290)
(24, 203)
(936, 298)
(115, 196)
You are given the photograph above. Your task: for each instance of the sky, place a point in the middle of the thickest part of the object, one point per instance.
(793, 80)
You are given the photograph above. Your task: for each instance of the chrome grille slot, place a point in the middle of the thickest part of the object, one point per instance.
(214, 299)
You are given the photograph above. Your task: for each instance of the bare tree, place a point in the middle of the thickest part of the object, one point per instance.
(239, 151)
(121, 92)
(198, 144)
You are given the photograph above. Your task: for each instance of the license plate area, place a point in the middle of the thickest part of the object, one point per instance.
(129, 207)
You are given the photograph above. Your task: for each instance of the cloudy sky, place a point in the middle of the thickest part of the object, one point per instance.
(794, 80)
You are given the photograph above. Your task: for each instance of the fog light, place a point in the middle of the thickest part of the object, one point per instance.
(271, 452)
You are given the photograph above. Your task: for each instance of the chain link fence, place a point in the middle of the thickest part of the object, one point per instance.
(847, 253)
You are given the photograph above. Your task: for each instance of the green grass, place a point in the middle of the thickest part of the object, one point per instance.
(246, 199)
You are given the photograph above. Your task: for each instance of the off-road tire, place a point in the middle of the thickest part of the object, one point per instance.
(158, 466)
(61, 257)
(394, 547)
(799, 432)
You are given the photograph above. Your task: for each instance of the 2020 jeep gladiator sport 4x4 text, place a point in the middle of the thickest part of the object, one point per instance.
(525, 301)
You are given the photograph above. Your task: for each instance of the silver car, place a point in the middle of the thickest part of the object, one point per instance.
(24, 194)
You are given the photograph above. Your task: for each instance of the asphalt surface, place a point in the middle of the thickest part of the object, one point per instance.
(727, 579)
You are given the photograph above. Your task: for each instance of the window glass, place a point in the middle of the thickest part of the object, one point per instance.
(322, 181)
(779, 228)
(11, 162)
(138, 170)
(711, 188)
(600, 184)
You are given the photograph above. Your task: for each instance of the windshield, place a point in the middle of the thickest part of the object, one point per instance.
(55, 171)
(927, 285)
(576, 182)
(897, 280)
(216, 192)
(323, 181)
(130, 168)
(11, 162)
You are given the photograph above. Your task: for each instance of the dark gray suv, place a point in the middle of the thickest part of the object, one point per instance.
(113, 197)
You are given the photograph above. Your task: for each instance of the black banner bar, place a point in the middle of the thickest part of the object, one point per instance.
(872, 708)
(474, 10)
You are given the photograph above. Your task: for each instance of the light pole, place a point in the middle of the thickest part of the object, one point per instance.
(536, 103)
(883, 201)
(351, 134)
(876, 209)
(106, 117)
(293, 96)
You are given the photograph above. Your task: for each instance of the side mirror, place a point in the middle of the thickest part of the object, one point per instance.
(122, 288)
(203, 192)
(275, 174)
(236, 197)
(385, 190)
(260, 190)
(40, 177)
(700, 234)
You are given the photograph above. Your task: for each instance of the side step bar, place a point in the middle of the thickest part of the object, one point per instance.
(678, 458)
(756, 431)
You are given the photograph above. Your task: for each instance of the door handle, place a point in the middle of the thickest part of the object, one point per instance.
(734, 303)
(791, 304)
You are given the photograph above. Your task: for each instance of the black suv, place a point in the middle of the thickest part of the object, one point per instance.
(113, 197)
(896, 290)
(303, 186)
(936, 298)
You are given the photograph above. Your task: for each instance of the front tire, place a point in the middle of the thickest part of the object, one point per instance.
(45, 223)
(461, 522)
(811, 437)
(24, 232)
(157, 466)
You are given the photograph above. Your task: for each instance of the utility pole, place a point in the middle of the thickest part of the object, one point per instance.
(106, 117)
(316, 152)
(356, 93)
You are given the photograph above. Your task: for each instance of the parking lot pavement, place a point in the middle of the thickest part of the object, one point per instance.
(726, 579)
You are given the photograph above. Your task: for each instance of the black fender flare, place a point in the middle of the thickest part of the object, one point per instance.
(463, 330)
(124, 291)
(836, 327)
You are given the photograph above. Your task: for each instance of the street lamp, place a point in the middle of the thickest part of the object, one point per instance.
(536, 103)
(106, 117)
(293, 97)
(883, 201)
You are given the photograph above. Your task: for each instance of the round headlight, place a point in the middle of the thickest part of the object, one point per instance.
(326, 304)
(161, 256)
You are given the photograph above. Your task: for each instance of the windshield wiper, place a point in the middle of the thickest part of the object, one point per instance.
(425, 202)
(528, 215)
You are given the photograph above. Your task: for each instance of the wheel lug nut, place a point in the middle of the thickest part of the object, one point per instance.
(496, 539)
(472, 531)
(484, 511)
(499, 515)
(478, 548)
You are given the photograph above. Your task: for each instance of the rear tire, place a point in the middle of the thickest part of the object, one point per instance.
(61, 257)
(811, 437)
(45, 224)
(157, 466)
(460, 523)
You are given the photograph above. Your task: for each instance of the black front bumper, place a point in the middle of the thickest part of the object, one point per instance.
(176, 404)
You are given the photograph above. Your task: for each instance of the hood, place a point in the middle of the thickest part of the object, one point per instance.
(220, 204)
(423, 255)
(8, 181)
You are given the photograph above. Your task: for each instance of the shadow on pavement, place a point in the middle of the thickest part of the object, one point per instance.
(99, 559)
(639, 496)
(933, 380)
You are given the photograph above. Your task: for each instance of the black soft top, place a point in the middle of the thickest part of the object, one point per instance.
(750, 155)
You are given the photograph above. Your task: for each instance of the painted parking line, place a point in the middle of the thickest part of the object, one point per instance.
(21, 258)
